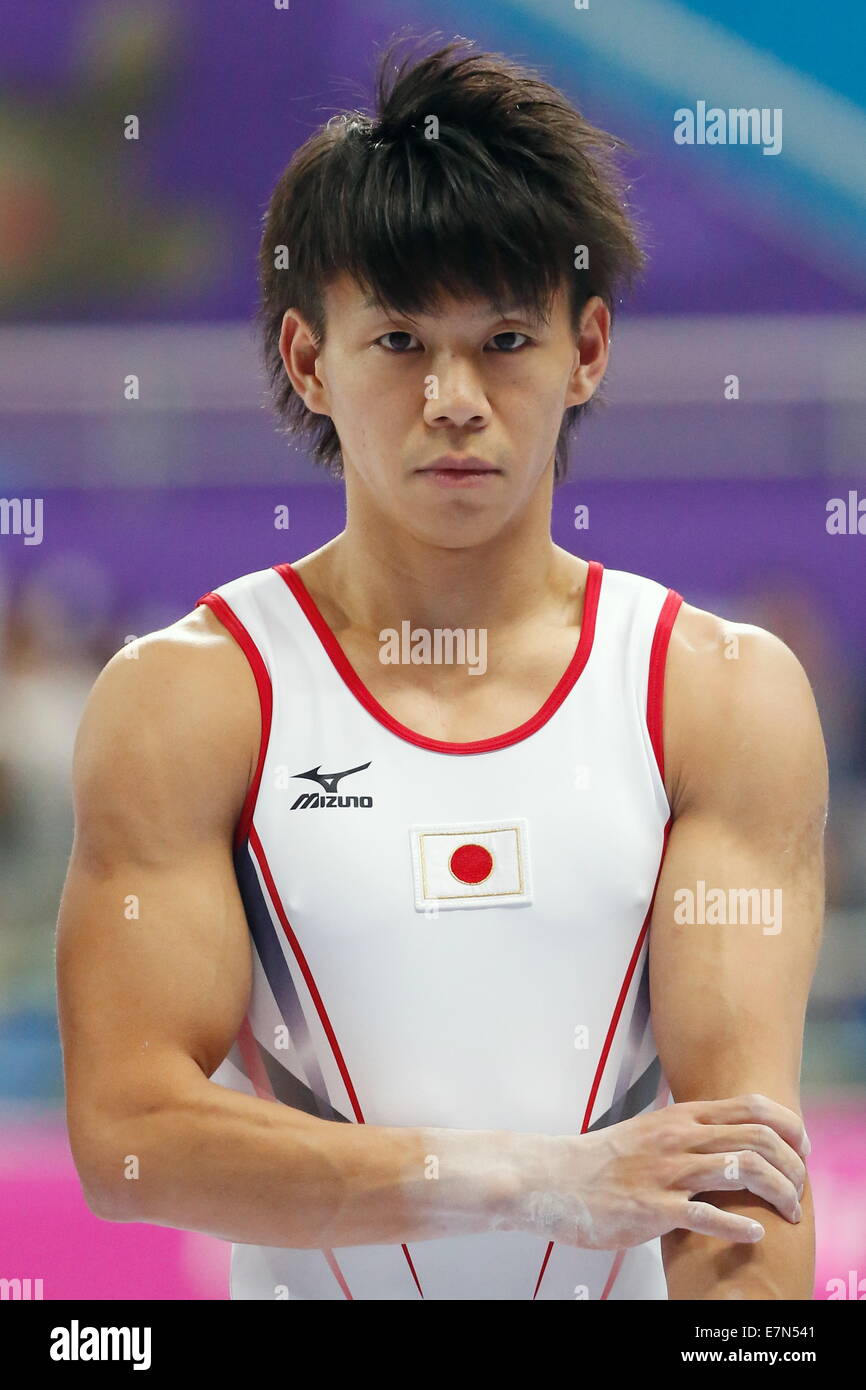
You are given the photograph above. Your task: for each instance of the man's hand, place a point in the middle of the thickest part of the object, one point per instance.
(628, 1183)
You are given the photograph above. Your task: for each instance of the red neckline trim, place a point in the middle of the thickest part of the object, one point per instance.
(481, 745)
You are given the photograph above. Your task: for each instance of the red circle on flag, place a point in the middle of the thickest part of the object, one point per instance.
(471, 863)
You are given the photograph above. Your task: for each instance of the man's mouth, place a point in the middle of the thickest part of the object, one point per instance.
(457, 470)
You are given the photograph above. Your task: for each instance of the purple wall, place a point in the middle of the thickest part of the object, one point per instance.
(709, 539)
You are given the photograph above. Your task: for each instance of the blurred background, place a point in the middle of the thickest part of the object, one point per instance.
(122, 256)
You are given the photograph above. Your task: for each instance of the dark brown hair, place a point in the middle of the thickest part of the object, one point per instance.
(494, 207)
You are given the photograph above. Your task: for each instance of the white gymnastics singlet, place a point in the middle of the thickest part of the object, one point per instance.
(451, 934)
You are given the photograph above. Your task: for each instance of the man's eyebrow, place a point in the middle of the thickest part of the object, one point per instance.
(372, 303)
(517, 311)
(509, 311)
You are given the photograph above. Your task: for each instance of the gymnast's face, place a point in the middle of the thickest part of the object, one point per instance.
(404, 392)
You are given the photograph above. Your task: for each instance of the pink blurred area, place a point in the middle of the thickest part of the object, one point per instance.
(837, 1130)
(48, 1232)
(55, 1237)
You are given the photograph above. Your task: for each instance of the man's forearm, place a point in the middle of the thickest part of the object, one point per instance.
(781, 1265)
(256, 1172)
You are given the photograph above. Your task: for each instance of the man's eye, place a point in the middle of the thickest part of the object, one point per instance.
(400, 349)
(512, 333)
(395, 333)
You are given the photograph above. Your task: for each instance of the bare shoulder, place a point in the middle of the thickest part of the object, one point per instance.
(193, 664)
(738, 705)
(170, 733)
(707, 647)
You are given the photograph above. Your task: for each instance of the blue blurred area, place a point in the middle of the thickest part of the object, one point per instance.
(823, 40)
(30, 1062)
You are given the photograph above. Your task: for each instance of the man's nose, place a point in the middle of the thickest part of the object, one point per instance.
(455, 396)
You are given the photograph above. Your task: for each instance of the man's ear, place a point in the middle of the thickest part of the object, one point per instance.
(300, 353)
(591, 352)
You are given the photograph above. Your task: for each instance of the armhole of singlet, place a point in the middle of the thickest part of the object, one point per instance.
(232, 623)
(656, 680)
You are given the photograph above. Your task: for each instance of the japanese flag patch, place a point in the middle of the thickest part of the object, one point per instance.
(485, 864)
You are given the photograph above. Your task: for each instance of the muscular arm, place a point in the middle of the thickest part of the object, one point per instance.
(747, 778)
(154, 972)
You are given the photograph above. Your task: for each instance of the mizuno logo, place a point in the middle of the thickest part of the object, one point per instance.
(329, 781)
(308, 801)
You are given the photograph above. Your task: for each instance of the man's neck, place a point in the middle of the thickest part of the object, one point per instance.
(500, 586)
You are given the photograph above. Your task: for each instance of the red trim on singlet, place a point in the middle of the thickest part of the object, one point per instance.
(335, 1269)
(258, 1075)
(656, 683)
(602, 1061)
(252, 1060)
(258, 850)
(234, 625)
(612, 1275)
(480, 745)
